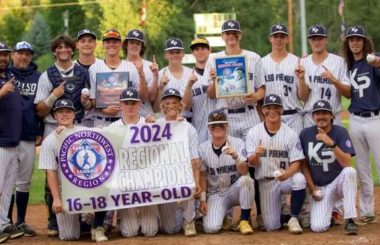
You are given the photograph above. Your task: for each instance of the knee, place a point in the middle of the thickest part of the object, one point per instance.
(23, 187)
(246, 182)
(211, 229)
(68, 237)
(299, 181)
(349, 172)
(129, 233)
(318, 227)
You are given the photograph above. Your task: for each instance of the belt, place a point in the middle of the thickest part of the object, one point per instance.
(240, 110)
(367, 113)
(289, 112)
(108, 119)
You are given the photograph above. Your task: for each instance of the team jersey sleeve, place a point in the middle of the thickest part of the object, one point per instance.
(295, 148)
(92, 76)
(202, 155)
(241, 151)
(48, 159)
(250, 143)
(343, 78)
(259, 74)
(344, 142)
(193, 142)
(210, 65)
(44, 88)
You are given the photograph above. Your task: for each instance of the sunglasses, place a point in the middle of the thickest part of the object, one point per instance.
(111, 33)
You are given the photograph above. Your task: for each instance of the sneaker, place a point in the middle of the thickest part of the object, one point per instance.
(336, 218)
(350, 227)
(13, 231)
(245, 228)
(98, 235)
(28, 231)
(189, 229)
(365, 220)
(294, 226)
(52, 232)
(227, 223)
(257, 223)
(3, 237)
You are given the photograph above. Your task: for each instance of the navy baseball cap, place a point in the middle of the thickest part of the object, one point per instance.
(4, 47)
(217, 117)
(278, 28)
(130, 94)
(63, 103)
(272, 99)
(135, 35)
(85, 32)
(322, 105)
(111, 34)
(23, 46)
(231, 25)
(355, 30)
(171, 92)
(173, 43)
(199, 41)
(317, 30)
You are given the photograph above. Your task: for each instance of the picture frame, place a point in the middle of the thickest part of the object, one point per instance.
(109, 86)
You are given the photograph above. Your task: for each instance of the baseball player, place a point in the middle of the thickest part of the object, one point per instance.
(224, 176)
(365, 110)
(113, 63)
(175, 75)
(327, 168)
(171, 109)
(10, 132)
(326, 75)
(69, 224)
(241, 111)
(26, 79)
(64, 79)
(195, 96)
(276, 153)
(281, 77)
(134, 47)
(144, 218)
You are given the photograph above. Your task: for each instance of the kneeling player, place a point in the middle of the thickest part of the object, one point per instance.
(330, 178)
(275, 151)
(224, 176)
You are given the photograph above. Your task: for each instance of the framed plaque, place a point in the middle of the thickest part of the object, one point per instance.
(109, 86)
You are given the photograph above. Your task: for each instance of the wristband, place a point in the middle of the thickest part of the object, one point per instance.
(203, 196)
(51, 100)
(333, 145)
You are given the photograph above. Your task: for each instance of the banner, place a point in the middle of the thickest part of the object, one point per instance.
(124, 167)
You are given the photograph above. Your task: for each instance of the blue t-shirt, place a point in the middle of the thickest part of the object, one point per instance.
(365, 87)
(321, 159)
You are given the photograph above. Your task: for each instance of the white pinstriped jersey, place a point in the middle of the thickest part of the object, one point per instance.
(45, 88)
(125, 66)
(282, 149)
(146, 107)
(121, 122)
(221, 170)
(323, 89)
(179, 84)
(97, 62)
(280, 79)
(255, 77)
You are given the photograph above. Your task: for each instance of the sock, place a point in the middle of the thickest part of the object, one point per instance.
(99, 218)
(10, 210)
(22, 199)
(245, 213)
(296, 201)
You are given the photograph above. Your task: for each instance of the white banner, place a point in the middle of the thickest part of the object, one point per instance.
(124, 167)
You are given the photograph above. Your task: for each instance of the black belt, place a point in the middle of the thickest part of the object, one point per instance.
(108, 119)
(240, 110)
(367, 113)
(289, 112)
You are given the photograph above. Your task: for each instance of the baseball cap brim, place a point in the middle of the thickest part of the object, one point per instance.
(84, 34)
(5, 50)
(130, 99)
(231, 29)
(63, 106)
(133, 38)
(355, 35)
(317, 35)
(321, 109)
(279, 32)
(273, 103)
(217, 122)
(174, 48)
(171, 95)
(17, 50)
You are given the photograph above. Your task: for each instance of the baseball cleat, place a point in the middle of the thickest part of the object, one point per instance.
(98, 235)
(294, 226)
(28, 231)
(365, 220)
(189, 229)
(13, 231)
(3, 237)
(350, 227)
(245, 228)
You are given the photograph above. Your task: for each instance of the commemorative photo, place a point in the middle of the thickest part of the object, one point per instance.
(109, 86)
(231, 76)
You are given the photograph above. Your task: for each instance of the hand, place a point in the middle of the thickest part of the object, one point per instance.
(59, 129)
(198, 190)
(154, 66)
(150, 119)
(229, 150)
(192, 79)
(38, 140)
(317, 194)
(213, 74)
(203, 207)
(163, 81)
(85, 100)
(322, 136)
(111, 110)
(260, 149)
(57, 206)
(300, 70)
(8, 87)
(250, 98)
(285, 175)
(328, 75)
(60, 90)
(139, 66)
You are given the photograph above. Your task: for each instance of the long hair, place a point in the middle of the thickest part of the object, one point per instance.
(125, 49)
(348, 55)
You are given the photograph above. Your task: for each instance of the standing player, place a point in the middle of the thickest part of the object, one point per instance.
(26, 79)
(276, 153)
(69, 225)
(224, 176)
(326, 75)
(281, 71)
(10, 132)
(365, 114)
(171, 108)
(134, 48)
(328, 152)
(195, 96)
(144, 218)
(113, 63)
(241, 111)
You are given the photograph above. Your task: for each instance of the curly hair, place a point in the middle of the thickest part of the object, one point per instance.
(348, 55)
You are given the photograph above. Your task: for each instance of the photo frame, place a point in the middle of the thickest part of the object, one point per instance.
(109, 86)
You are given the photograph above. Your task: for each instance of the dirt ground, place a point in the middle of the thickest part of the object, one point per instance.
(37, 217)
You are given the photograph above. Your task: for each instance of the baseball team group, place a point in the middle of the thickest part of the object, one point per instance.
(279, 152)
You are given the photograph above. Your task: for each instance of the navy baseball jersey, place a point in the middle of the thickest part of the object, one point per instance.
(321, 159)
